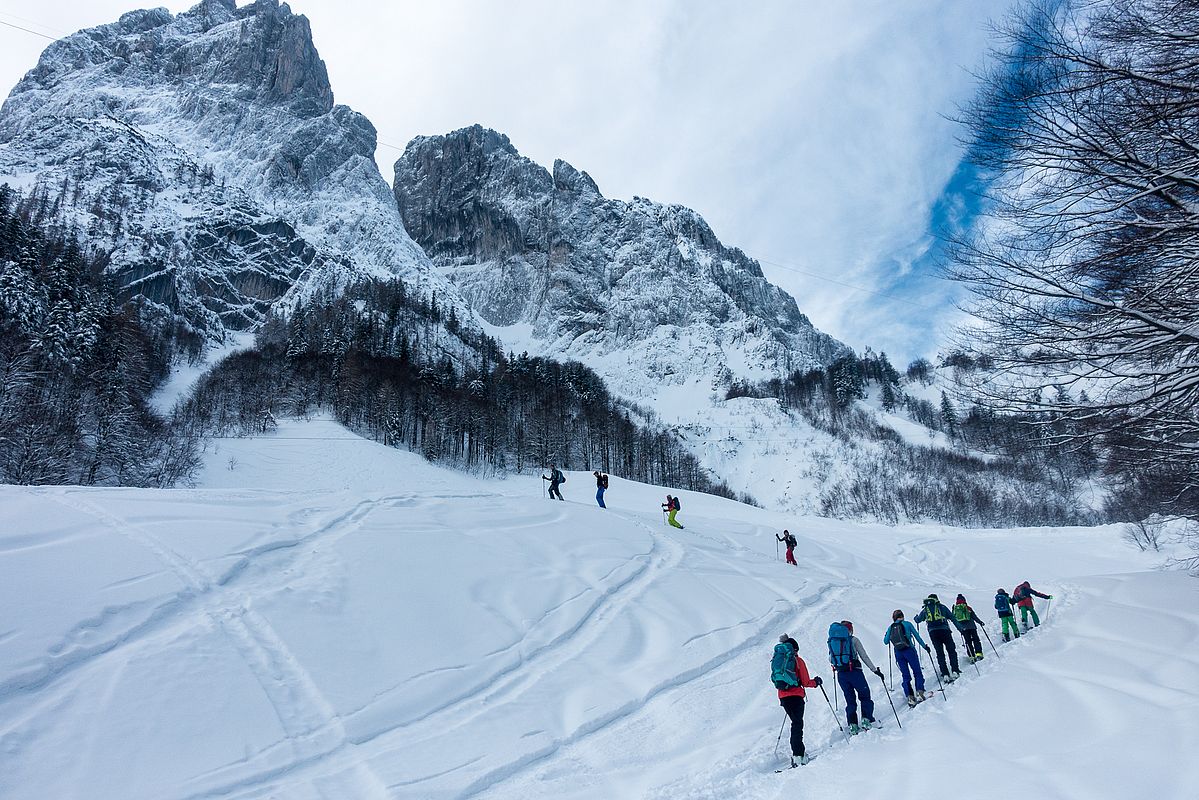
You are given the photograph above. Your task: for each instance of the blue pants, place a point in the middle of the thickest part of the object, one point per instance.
(909, 662)
(853, 681)
(599, 497)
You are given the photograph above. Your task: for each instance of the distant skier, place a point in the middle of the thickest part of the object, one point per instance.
(556, 478)
(968, 623)
(1023, 597)
(672, 507)
(601, 486)
(790, 676)
(939, 618)
(846, 654)
(900, 636)
(788, 540)
(1007, 617)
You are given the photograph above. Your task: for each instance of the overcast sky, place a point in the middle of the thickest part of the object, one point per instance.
(812, 134)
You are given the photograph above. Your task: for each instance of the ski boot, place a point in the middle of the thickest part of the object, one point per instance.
(854, 730)
(948, 678)
(956, 674)
(912, 701)
(978, 657)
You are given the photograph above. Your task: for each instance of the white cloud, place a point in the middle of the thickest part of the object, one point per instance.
(807, 133)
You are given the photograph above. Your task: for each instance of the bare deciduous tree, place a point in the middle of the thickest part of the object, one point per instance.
(1085, 273)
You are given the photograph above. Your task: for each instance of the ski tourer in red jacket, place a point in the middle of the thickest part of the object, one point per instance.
(1023, 596)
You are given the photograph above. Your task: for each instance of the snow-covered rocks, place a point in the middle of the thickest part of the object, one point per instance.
(207, 151)
(645, 293)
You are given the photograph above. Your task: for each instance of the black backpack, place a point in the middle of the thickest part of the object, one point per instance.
(899, 636)
(604, 481)
(790, 540)
(677, 505)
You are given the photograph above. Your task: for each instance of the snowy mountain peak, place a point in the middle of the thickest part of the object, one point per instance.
(642, 291)
(206, 150)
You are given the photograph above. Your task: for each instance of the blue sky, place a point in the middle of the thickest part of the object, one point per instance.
(814, 135)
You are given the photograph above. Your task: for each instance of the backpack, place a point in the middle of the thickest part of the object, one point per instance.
(899, 636)
(561, 477)
(840, 646)
(1003, 604)
(677, 506)
(933, 609)
(782, 667)
(1021, 593)
(604, 481)
(961, 612)
(790, 540)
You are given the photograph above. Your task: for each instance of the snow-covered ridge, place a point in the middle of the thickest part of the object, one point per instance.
(207, 149)
(643, 292)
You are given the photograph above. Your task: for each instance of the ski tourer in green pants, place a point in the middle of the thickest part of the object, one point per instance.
(1003, 604)
(1023, 598)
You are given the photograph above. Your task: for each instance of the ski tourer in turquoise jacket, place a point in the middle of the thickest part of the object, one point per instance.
(909, 629)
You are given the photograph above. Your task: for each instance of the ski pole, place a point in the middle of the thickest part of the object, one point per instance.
(836, 702)
(931, 665)
(993, 650)
(776, 741)
(836, 719)
(890, 700)
(936, 671)
(890, 663)
(776, 557)
(1048, 603)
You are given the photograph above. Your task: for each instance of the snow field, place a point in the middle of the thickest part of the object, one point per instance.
(327, 617)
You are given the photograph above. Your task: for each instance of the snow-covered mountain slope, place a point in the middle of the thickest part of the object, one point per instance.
(207, 150)
(329, 617)
(640, 291)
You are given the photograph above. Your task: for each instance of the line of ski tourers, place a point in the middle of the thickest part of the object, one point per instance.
(790, 675)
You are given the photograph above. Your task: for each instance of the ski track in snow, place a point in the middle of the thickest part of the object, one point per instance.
(305, 715)
(531, 667)
(598, 654)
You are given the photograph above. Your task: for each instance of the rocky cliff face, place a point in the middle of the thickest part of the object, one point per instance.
(642, 291)
(206, 149)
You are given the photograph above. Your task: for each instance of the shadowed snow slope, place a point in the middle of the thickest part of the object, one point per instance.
(330, 618)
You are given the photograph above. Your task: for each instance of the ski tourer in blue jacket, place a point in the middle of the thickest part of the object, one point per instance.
(909, 629)
(1003, 605)
(900, 635)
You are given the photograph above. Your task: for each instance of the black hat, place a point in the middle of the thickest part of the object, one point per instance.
(897, 614)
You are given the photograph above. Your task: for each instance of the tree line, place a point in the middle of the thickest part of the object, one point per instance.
(996, 473)
(402, 369)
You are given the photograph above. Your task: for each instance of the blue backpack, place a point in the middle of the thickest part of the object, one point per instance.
(1003, 603)
(840, 646)
(782, 667)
